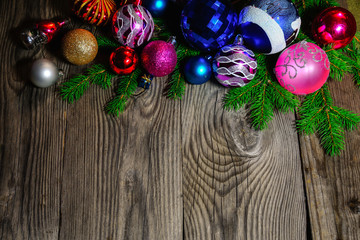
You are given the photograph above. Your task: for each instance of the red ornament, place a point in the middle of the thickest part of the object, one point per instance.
(124, 2)
(334, 25)
(159, 58)
(123, 60)
(42, 32)
(97, 12)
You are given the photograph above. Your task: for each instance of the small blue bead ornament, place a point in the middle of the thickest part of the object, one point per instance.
(156, 7)
(269, 26)
(207, 25)
(197, 70)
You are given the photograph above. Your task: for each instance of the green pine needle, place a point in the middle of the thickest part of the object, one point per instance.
(127, 87)
(73, 89)
(161, 30)
(319, 115)
(106, 42)
(176, 87)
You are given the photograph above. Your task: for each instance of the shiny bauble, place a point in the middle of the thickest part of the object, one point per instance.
(44, 73)
(132, 25)
(159, 58)
(156, 7)
(302, 68)
(207, 25)
(79, 46)
(96, 12)
(197, 70)
(234, 65)
(269, 26)
(334, 25)
(42, 32)
(123, 60)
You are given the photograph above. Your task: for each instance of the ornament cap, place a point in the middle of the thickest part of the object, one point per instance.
(172, 40)
(239, 40)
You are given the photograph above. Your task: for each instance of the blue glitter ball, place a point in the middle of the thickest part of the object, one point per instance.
(197, 70)
(269, 26)
(208, 25)
(156, 7)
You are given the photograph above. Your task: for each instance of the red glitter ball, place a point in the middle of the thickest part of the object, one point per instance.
(334, 25)
(123, 60)
(159, 58)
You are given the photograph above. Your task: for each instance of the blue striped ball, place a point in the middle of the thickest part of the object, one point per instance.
(269, 26)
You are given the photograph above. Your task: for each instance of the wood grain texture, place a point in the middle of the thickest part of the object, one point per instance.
(71, 171)
(332, 183)
(239, 183)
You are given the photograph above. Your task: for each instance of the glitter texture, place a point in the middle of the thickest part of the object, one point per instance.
(159, 58)
(79, 46)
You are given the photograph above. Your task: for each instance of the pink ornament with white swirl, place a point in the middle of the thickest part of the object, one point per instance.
(234, 66)
(302, 68)
(132, 25)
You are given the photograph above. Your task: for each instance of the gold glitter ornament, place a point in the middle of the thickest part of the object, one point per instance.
(79, 46)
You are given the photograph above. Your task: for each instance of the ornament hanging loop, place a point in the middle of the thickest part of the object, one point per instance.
(239, 40)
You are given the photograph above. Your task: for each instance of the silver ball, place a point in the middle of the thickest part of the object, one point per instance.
(44, 73)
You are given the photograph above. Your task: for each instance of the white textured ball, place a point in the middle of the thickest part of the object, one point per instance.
(44, 73)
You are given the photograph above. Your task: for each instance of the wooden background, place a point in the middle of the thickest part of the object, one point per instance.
(164, 169)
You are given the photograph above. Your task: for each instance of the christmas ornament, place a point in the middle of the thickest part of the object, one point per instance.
(207, 25)
(197, 70)
(97, 12)
(159, 58)
(123, 60)
(268, 26)
(132, 25)
(234, 65)
(302, 68)
(135, 2)
(44, 73)
(334, 25)
(79, 46)
(156, 7)
(42, 32)
(145, 81)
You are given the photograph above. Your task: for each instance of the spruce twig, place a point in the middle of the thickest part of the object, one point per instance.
(319, 115)
(127, 87)
(106, 42)
(73, 89)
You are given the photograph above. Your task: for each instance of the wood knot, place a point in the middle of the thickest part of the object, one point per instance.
(354, 205)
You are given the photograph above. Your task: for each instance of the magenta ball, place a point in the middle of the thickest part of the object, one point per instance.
(302, 68)
(159, 58)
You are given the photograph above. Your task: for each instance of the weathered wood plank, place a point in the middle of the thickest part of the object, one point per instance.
(332, 183)
(239, 183)
(71, 171)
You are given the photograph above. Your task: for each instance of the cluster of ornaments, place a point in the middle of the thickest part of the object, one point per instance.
(210, 26)
(265, 27)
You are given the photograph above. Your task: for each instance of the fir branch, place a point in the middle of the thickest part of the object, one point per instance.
(127, 87)
(106, 42)
(317, 114)
(73, 89)
(283, 100)
(176, 85)
(161, 30)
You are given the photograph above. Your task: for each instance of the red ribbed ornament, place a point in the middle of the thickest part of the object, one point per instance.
(97, 12)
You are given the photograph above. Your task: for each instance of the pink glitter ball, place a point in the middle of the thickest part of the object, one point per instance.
(159, 58)
(302, 68)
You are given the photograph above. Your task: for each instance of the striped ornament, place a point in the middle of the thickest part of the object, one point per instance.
(97, 12)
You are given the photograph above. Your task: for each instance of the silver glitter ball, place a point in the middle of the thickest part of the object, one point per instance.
(44, 73)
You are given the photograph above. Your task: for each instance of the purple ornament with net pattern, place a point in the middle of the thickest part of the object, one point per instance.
(132, 25)
(234, 66)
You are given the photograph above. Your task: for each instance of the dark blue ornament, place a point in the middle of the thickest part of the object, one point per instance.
(145, 81)
(269, 26)
(197, 70)
(208, 25)
(156, 7)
